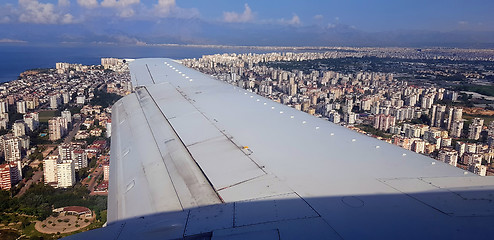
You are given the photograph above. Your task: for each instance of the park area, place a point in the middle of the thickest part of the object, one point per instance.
(68, 219)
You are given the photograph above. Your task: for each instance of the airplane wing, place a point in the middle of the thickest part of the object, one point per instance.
(196, 158)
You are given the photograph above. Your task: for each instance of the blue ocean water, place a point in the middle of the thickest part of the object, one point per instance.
(16, 59)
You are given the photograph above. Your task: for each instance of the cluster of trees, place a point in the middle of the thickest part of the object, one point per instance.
(40, 200)
(37, 154)
(371, 130)
(373, 64)
(104, 99)
(482, 89)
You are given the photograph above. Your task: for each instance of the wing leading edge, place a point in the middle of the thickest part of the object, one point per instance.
(194, 157)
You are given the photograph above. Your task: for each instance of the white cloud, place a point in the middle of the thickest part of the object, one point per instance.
(246, 16)
(294, 21)
(169, 8)
(5, 19)
(126, 12)
(123, 7)
(8, 40)
(6, 13)
(164, 7)
(88, 3)
(67, 18)
(118, 3)
(318, 17)
(63, 3)
(32, 11)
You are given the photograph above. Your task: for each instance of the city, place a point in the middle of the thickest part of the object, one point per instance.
(56, 125)
(218, 119)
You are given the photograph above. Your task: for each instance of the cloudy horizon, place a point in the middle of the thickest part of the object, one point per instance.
(285, 23)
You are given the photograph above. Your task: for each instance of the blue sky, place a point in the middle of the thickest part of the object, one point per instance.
(273, 22)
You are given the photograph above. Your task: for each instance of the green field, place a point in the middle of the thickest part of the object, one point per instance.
(487, 119)
(482, 89)
(45, 115)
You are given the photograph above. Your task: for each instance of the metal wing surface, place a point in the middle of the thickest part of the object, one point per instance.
(196, 158)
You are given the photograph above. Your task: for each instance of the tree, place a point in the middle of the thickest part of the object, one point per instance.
(423, 119)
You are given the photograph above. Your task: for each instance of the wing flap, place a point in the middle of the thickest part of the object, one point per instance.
(137, 183)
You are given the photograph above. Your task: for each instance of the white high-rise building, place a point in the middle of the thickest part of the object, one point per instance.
(350, 118)
(66, 173)
(413, 132)
(474, 130)
(456, 128)
(427, 101)
(431, 135)
(57, 128)
(80, 158)
(65, 97)
(50, 169)
(25, 142)
(384, 122)
(65, 152)
(448, 156)
(461, 148)
(67, 115)
(62, 67)
(54, 129)
(439, 116)
(55, 101)
(4, 106)
(32, 121)
(292, 89)
(418, 145)
(19, 128)
(32, 103)
(334, 116)
(11, 148)
(457, 114)
(3, 123)
(21, 106)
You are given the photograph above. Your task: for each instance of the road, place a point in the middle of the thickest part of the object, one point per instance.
(95, 173)
(72, 133)
(48, 150)
(36, 178)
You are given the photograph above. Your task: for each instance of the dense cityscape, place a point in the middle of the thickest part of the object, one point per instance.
(56, 123)
(165, 119)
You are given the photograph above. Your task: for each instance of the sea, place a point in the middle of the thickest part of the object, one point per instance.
(17, 59)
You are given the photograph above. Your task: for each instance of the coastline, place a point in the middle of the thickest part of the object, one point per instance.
(19, 58)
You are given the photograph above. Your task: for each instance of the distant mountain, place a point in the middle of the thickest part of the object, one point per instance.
(196, 31)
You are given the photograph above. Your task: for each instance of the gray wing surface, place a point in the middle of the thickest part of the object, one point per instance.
(193, 157)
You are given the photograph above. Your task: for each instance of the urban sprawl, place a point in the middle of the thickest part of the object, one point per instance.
(55, 124)
(54, 118)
